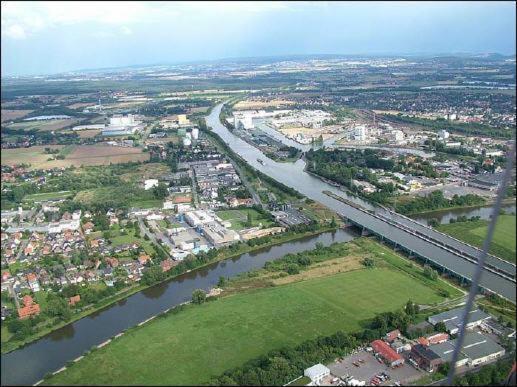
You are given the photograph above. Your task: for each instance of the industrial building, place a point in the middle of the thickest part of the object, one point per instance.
(477, 349)
(122, 126)
(425, 358)
(452, 319)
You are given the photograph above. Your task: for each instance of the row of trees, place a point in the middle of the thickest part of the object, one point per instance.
(435, 201)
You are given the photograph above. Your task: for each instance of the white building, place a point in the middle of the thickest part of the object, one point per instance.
(360, 133)
(443, 134)
(316, 373)
(243, 121)
(150, 183)
(397, 135)
(195, 133)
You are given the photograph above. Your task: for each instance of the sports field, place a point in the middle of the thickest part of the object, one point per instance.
(503, 244)
(202, 341)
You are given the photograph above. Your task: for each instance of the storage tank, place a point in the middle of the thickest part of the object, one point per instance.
(187, 141)
(195, 133)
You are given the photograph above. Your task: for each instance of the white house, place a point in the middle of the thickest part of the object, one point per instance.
(150, 183)
(316, 373)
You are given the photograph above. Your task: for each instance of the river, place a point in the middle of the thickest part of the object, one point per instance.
(29, 364)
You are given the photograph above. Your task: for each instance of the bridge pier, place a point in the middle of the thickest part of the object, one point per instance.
(365, 232)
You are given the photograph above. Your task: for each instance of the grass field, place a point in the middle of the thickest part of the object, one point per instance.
(74, 155)
(503, 243)
(47, 196)
(201, 341)
(239, 218)
(118, 239)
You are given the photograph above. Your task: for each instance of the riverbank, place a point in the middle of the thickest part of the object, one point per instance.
(225, 333)
(223, 255)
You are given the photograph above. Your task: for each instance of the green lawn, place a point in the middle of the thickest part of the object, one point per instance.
(239, 218)
(118, 239)
(202, 341)
(503, 243)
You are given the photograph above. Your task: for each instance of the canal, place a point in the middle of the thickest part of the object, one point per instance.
(29, 364)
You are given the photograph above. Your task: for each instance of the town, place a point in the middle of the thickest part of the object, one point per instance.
(308, 219)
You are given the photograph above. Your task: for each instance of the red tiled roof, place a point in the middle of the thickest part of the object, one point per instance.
(31, 277)
(27, 300)
(438, 338)
(143, 258)
(385, 351)
(423, 341)
(28, 311)
(74, 300)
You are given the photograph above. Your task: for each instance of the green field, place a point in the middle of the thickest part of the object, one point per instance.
(202, 341)
(118, 239)
(47, 196)
(239, 218)
(503, 243)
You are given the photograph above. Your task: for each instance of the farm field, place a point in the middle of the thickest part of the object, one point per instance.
(239, 218)
(245, 105)
(44, 126)
(76, 155)
(503, 243)
(88, 133)
(8, 115)
(219, 335)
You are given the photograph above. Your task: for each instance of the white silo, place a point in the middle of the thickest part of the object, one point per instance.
(187, 141)
(195, 133)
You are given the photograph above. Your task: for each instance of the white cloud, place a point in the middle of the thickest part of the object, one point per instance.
(126, 30)
(15, 31)
(32, 17)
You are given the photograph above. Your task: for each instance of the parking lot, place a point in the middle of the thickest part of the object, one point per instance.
(369, 367)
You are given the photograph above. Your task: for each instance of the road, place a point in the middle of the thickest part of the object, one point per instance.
(152, 236)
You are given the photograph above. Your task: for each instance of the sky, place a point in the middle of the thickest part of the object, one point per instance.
(54, 37)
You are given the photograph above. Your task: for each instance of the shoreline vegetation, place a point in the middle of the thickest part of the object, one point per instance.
(222, 255)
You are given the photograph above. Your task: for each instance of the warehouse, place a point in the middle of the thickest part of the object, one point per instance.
(480, 348)
(452, 319)
(387, 353)
(445, 350)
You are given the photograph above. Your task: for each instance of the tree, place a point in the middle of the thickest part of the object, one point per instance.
(333, 222)
(430, 273)
(440, 327)
(160, 191)
(198, 296)
(293, 268)
(369, 262)
(249, 221)
(222, 282)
